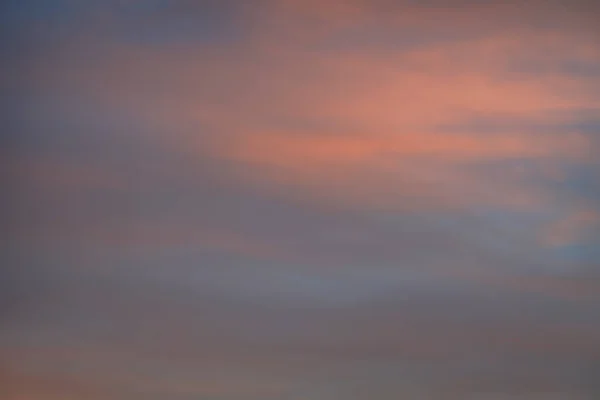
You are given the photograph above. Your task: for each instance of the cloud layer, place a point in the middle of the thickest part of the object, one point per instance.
(300, 199)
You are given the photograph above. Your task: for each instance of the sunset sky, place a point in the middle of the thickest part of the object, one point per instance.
(300, 200)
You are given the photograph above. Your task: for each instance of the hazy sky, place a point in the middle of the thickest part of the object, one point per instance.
(300, 200)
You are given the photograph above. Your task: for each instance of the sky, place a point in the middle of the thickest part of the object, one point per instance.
(300, 200)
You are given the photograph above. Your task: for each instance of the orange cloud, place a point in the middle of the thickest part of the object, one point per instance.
(289, 150)
(383, 169)
(359, 125)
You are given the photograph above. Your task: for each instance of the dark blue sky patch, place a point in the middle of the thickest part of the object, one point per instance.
(585, 181)
(20, 12)
(28, 24)
(166, 22)
(142, 22)
(585, 121)
(586, 253)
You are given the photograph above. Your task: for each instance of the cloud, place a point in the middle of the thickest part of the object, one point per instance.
(304, 118)
(301, 196)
